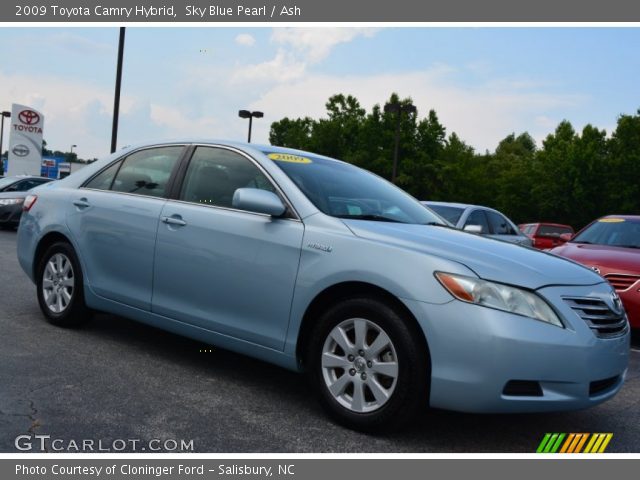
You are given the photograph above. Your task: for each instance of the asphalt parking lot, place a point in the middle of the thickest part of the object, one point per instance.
(116, 379)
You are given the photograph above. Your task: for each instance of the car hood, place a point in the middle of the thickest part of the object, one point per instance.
(622, 260)
(490, 259)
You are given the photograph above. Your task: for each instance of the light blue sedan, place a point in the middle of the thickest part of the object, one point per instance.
(316, 265)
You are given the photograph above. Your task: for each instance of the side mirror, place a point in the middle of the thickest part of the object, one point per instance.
(259, 201)
(473, 228)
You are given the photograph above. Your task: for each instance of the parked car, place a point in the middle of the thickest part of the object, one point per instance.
(13, 191)
(611, 247)
(316, 265)
(477, 219)
(547, 235)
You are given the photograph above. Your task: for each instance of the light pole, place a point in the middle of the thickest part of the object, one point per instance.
(72, 146)
(4, 115)
(116, 97)
(398, 108)
(250, 116)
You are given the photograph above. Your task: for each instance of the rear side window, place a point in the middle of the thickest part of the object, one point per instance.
(25, 185)
(499, 224)
(477, 217)
(146, 172)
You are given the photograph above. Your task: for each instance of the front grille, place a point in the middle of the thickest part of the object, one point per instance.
(603, 321)
(600, 386)
(620, 281)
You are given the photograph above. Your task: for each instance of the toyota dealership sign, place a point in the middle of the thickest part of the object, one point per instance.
(25, 141)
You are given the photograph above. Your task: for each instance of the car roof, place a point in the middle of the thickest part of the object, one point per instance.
(626, 217)
(550, 224)
(229, 143)
(452, 204)
(461, 205)
(27, 177)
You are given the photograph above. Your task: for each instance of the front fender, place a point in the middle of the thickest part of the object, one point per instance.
(331, 256)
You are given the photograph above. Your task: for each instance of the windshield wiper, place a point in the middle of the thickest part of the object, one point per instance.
(375, 218)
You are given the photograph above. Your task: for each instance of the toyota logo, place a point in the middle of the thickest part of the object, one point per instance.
(616, 303)
(20, 150)
(29, 117)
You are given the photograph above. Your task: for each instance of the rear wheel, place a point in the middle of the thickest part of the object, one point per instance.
(60, 286)
(368, 365)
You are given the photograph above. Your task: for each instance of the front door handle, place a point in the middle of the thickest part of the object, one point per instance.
(81, 203)
(175, 220)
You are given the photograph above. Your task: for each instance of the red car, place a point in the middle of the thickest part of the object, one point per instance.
(546, 235)
(611, 247)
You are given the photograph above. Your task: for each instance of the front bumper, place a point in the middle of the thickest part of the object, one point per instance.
(475, 351)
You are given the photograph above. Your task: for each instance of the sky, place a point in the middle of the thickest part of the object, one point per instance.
(484, 83)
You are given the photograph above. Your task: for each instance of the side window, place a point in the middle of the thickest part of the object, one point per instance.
(214, 174)
(103, 180)
(147, 172)
(24, 186)
(499, 224)
(16, 187)
(477, 217)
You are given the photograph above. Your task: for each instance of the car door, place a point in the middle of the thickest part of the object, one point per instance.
(502, 228)
(223, 269)
(114, 220)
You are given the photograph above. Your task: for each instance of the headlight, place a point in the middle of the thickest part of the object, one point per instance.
(498, 296)
(11, 201)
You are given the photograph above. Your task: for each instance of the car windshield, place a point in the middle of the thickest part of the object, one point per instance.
(451, 214)
(345, 191)
(617, 232)
(5, 182)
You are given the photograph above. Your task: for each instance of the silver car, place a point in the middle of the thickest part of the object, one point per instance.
(478, 219)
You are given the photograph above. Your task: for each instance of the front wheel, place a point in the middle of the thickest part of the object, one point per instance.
(60, 284)
(368, 365)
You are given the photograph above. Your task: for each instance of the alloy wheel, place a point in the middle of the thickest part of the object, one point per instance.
(359, 365)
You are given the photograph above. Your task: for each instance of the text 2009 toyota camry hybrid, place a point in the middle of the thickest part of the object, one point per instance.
(316, 265)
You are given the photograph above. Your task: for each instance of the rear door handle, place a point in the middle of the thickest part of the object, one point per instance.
(174, 220)
(82, 203)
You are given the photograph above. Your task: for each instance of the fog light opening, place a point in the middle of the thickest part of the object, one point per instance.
(522, 388)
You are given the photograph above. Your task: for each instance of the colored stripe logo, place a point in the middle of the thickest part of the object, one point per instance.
(574, 443)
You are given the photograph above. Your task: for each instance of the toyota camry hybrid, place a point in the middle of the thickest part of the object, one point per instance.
(319, 266)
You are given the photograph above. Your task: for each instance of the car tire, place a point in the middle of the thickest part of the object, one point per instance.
(60, 287)
(372, 385)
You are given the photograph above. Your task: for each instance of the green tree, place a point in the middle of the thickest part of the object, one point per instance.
(623, 169)
(292, 133)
